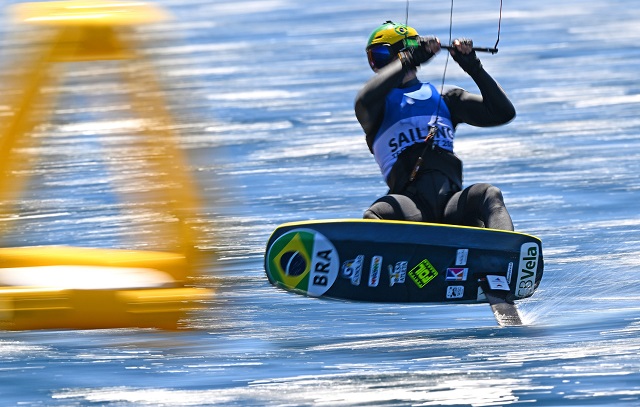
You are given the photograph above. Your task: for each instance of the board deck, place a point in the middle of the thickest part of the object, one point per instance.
(394, 261)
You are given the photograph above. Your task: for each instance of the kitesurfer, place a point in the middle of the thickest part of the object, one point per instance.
(410, 130)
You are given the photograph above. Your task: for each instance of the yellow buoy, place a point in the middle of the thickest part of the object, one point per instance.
(82, 288)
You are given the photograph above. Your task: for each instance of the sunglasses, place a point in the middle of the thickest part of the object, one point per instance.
(380, 55)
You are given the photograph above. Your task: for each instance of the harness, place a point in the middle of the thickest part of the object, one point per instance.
(428, 141)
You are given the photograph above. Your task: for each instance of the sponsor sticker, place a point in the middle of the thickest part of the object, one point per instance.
(304, 260)
(455, 292)
(423, 273)
(456, 274)
(352, 269)
(509, 271)
(498, 283)
(527, 269)
(461, 257)
(398, 273)
(375, 270)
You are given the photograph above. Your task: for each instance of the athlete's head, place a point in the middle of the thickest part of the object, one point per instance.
(387, 40)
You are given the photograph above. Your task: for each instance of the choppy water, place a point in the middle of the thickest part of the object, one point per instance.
(263, 91)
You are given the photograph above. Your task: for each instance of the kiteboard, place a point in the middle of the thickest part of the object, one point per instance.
(397, 261)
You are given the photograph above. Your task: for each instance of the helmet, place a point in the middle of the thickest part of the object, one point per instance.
(390, 33)
(387, 40)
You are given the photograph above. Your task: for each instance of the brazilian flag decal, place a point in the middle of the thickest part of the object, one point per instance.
(303, 260)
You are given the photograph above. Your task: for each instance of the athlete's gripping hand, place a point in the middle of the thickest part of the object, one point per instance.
(426, 49)
(463, 53)
(430, 45)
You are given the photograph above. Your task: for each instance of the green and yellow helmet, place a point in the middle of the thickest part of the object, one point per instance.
(387, 40)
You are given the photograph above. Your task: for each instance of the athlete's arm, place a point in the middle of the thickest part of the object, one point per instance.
(370, 101)
(492, 107)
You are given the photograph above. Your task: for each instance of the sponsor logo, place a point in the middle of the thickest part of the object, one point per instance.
(375, 270)
(461, 257)
(527, 269)
(510, 272)
(398, 274)
(352, 269)
(303, 260)
(423, 273)
(456, 274)
(498, 283)
(455, 292)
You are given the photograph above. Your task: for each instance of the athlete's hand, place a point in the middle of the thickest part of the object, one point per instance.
(426, 49)
(463, 53)
(431, 44)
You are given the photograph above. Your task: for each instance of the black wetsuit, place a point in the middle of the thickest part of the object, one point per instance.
(436, 194)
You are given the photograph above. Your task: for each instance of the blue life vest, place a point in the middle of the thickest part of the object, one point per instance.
(409, 113)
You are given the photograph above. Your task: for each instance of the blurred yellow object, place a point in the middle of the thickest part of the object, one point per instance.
(23, 308)
(71, 287)
(96, 12)
(173, 264)
(53, 287)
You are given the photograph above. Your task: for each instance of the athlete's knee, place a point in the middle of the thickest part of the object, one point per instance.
(495, 211)
(493, 194)
(370, 214)
(394, 207)
(383, 208)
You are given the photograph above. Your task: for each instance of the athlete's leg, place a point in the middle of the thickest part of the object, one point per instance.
(424, 201)
(480, 205)
(394, 207)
